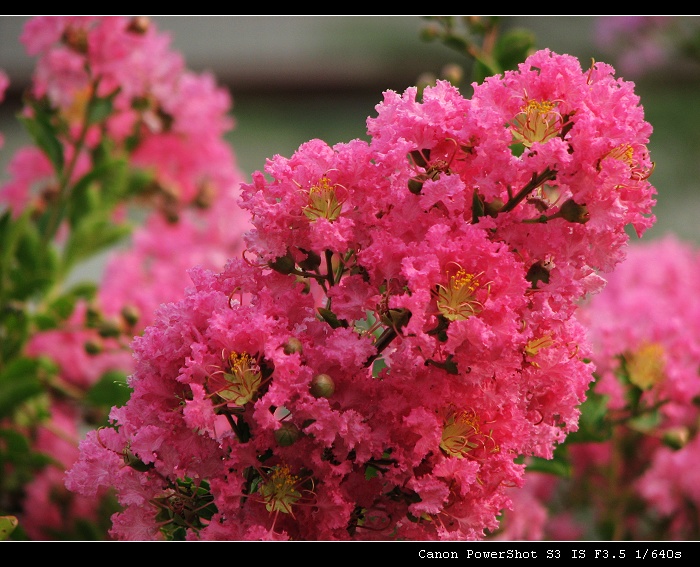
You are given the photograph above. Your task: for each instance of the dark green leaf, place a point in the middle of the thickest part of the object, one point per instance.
(14, 326)
(100, 109)
(331, 318)
(593, 424)
(34, 269)
(19, 381)
(44, 134)
(92, 236)
(513, 48)
(558, 466)
(111, 390)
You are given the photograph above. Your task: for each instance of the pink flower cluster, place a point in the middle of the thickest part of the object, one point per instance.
(401, 330)
(641, 479)
(167, 122)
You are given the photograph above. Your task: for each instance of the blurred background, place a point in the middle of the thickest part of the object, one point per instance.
(294, 78)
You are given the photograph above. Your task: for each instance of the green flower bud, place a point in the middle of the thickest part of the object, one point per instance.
(322, 386)
(130, 315)
(93, 347)
(287, 434)
(293, 345)
(573, 212)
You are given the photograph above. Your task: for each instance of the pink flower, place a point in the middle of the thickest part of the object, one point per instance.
(403, 325)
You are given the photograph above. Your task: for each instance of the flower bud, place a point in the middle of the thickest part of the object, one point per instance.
(109, 329)
(130, 314)
(93, 347)
(287, 434)
(676, 438)
(293, 345)
(284, 264)
(493, 208)
(139, 25)
(574, 212)
(453, 73)
(322, 386)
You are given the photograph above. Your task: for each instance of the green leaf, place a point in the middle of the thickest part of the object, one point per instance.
(558, 466)
(14, 326)
(513, 48)
(593, 424)
(91, 236)
(100, 109)
(20, 381)
(111, 390)
(31, 266)
(98, 190)
(44, 134)
(331, 318)
(62, 307)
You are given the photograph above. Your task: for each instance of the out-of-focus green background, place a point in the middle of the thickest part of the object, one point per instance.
(293, 78)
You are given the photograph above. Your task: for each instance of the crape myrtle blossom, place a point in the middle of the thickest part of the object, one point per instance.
(644, 329)
(645, 343)
(401, 330)
(168, 119)
(167, 123)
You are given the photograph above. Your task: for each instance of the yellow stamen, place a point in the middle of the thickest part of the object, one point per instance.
(323, 201)
(536, 345)
(242, 381)
(280, 491)
(625, 153)
(457, 301)
(537, 122)
(459, 428)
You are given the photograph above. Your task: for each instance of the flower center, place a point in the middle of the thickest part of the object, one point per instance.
(457, 301)
(242, 381)
(625, 153)
(538, 121)
(280, 491)
(323, 201)
(461, 434)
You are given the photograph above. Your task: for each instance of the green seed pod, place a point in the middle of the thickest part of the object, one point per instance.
(322, 386)
(287, 434)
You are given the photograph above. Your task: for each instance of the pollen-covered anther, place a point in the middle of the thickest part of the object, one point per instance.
(538, 121)
(324, 201)
(457, 300)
